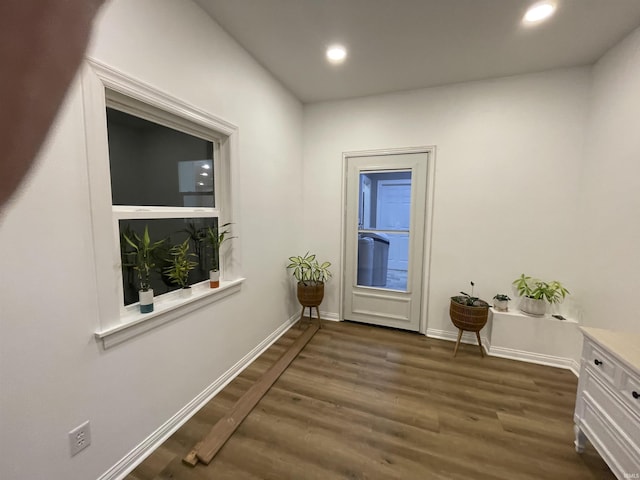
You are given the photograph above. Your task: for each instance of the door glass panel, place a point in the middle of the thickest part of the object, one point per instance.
(384, 214)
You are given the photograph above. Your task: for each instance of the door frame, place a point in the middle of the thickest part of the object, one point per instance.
(428, 224)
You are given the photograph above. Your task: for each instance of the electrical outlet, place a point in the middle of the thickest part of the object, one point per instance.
(80, 438)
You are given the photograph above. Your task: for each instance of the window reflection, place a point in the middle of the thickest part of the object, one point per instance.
(145, 158)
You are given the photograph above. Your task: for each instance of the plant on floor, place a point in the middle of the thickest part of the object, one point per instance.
(468, 313)
(308, 271)
(181, 264)
(311, 276)
(469, 300)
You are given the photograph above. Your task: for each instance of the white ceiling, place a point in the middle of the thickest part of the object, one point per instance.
(404, 44)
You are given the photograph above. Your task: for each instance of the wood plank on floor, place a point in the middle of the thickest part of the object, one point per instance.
(207, 448)
(362, 402)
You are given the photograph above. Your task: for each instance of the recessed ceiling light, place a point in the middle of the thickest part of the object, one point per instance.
(204, 174)
(201, 183)
(206, 166)
(539, 11)
(336, 53)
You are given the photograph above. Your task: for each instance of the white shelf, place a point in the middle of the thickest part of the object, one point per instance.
(517, 313)
(538, 339)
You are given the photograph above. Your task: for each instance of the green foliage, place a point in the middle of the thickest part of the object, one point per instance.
(552, 292)
(469, 300)
(215, 237)
(197, 236)
(307, 270)
(181, 264)
(141, 258)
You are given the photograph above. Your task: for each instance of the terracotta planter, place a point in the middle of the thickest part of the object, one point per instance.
(310, 295)
(214, 278)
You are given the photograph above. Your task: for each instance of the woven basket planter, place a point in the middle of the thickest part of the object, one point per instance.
(310, 295)
(471, 319)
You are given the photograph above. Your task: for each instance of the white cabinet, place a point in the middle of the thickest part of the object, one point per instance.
(608, 399)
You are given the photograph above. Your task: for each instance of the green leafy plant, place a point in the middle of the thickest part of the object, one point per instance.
(216, 236)
(308, 271)
(469, 300)
(181, 264)
(197, 237)
(552, 292)
(141, 258)
(502, 297)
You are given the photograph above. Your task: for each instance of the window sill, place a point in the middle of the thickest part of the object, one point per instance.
(167, 307)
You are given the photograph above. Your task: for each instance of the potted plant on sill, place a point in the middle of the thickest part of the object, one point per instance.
(535, 294)
(181, 265)
(216, 236)
(143, 262)
(311, 276)
(468, 313)
(501, 302)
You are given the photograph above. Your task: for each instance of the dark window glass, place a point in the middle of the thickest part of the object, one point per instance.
(156, 165)
(173, 231)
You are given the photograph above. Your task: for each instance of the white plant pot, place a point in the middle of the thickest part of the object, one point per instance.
(146, 300)
(214, 278)
(501, 305)
(185, 292)
(533, 306)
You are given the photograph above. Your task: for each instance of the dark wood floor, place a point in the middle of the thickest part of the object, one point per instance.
(363, 402)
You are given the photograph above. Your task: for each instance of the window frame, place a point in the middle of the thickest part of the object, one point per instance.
(102, 87)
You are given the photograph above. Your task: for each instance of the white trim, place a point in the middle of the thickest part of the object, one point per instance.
(167, 307)
(331, 316)
(430, 150)
(102, 85)
(537, 358)
(428, 239)
(126, 85)
(136, 456)
(509, 353)
(125, 212)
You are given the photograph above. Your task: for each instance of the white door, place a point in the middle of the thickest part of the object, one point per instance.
(384, 238)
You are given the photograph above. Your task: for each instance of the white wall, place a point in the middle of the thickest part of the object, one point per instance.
(53, 375)
(611, 200)
(509, 156)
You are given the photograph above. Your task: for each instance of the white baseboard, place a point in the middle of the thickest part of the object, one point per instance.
(539, 358)
(509, 353)
(153, 441)
(467, 337)
(574, 366)
(334, 317)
